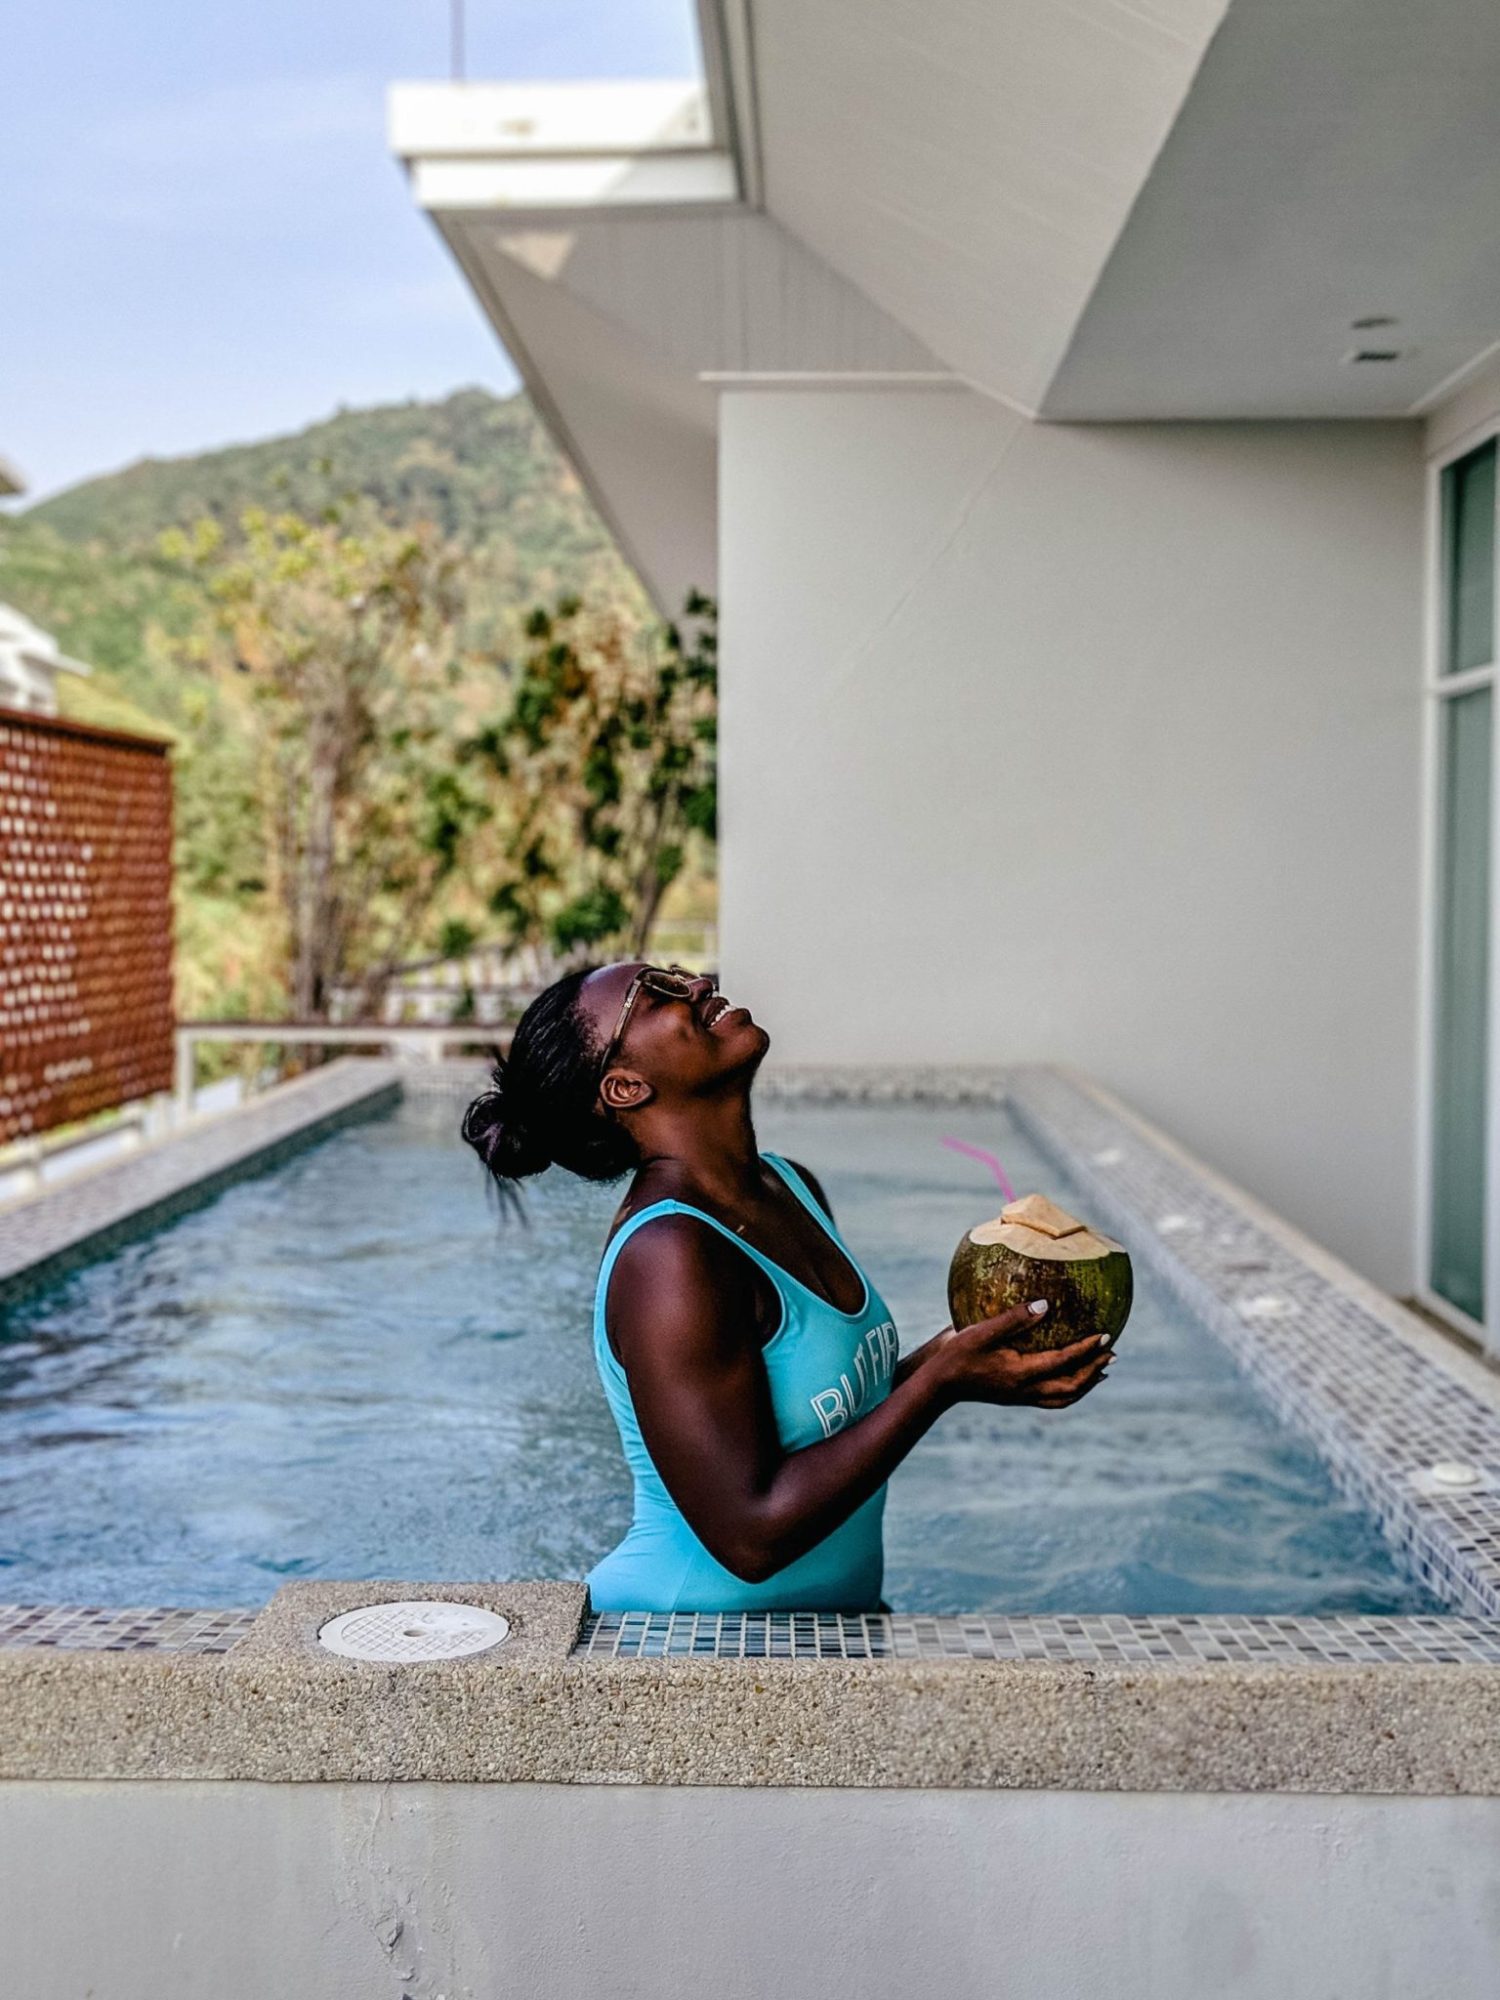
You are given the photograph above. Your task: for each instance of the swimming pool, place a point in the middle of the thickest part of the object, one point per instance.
(345, 1367)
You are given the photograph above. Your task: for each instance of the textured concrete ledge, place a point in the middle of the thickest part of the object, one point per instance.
(278, 1709)
(84, 1216)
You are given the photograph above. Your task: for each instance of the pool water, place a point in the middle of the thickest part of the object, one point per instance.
(348, 1367)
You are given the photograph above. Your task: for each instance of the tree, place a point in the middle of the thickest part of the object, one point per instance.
(607, 759)
(335, 640)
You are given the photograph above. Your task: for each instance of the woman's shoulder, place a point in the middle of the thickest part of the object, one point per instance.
(685, 1253)
(682, 1280)
(659, 1195)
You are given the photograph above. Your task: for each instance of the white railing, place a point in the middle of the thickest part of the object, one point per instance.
(27, 1166)
(411, 1040)
(24, 1163)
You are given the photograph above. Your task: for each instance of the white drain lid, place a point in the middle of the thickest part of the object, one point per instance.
(430, 1629)
(1453, 1472)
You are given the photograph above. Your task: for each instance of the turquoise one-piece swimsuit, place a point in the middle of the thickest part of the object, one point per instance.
(826, 1369)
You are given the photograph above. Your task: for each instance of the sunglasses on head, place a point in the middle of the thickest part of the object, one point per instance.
(663, 982)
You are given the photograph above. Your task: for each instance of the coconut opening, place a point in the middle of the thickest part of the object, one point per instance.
(1037, 1227)
(1037, 1212)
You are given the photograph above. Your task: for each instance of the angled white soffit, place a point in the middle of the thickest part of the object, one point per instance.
(970, 164)
(624, 306)
(1333, 163)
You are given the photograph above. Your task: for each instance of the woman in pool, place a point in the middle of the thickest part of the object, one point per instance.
(752, 1368)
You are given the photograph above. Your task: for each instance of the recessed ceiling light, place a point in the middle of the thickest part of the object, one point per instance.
(1359, 354)
(1372, 320)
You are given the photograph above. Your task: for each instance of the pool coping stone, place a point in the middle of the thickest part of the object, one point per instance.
(278, 1709)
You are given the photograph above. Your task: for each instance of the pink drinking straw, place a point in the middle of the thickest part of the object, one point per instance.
(987, 1159)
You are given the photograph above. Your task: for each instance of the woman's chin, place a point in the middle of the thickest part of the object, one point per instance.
(748, 1042)
(738, 1028)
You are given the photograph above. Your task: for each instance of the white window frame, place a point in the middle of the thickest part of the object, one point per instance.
(1439, 688)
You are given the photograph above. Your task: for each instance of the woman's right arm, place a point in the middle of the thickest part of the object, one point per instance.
(682, 1320)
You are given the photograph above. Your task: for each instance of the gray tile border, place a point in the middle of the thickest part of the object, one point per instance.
(879, 1083)
(79, 1219)
(453, 1076)
(783, 1083)
(116, 1629)
(1103, 1641)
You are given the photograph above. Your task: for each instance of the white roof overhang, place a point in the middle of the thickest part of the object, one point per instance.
(1173, 208)
(606, 231)
(575, 147)
(1330, 191)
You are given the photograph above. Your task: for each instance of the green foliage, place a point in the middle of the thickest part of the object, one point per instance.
(132, 573)
(455, 938)
(335, 641)
(598, 916)
(100, 604)
(606, 756)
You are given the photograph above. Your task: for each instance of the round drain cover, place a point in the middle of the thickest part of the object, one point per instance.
(429, 1629)
(1453, 1472)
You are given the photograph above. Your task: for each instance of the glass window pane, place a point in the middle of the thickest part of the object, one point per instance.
(1469, 543)
(1461, 1054)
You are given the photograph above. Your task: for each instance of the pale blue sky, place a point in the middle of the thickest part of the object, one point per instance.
(202, 236)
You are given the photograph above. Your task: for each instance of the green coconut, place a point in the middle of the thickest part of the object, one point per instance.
(1035, 1250)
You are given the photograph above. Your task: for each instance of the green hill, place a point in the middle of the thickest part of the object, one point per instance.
(482, 467)
(86, 566)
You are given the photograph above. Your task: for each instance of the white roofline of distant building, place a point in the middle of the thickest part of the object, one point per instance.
(27, 642)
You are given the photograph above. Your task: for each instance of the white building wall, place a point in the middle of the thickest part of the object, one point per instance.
(212, 1891)
(1099, 745)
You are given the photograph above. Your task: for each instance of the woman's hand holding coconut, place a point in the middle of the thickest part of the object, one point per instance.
(985, 1363)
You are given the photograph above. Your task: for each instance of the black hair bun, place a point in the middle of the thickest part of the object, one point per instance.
(499, 1133)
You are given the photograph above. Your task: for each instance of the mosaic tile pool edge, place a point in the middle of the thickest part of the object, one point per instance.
(155, 1628)
(1376, 1409)
(1106, 1640)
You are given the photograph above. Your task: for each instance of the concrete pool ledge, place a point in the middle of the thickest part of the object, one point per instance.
(280, 1709)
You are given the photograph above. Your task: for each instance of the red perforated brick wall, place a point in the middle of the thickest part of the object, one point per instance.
(85, 921)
